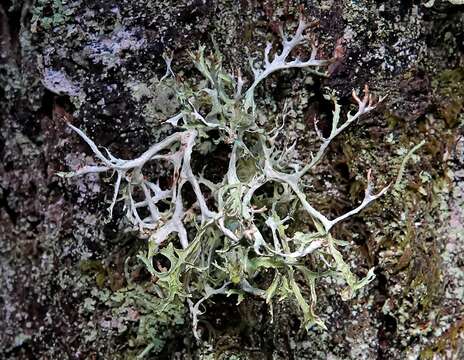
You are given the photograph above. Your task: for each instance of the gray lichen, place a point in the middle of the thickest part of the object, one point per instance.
(407, 313)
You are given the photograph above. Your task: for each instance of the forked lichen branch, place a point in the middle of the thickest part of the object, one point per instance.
(220, 249)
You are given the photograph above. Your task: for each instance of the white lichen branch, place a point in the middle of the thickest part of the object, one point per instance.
(281, 61)
(160, 224)
(365, 105)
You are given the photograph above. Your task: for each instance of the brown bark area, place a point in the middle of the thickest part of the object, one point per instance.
(78, 61)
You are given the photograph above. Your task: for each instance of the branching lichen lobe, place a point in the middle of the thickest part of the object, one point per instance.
(222, 251)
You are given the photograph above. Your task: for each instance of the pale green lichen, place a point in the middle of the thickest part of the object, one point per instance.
(237, 231)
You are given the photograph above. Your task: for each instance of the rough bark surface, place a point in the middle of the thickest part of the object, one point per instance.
(64, 292)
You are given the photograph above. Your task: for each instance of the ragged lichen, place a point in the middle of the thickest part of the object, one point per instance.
(207, 238)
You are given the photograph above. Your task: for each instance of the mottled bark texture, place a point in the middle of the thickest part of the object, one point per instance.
(64, 292)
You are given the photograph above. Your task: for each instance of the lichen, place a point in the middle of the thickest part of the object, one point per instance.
(48, 227)
(224, 251)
